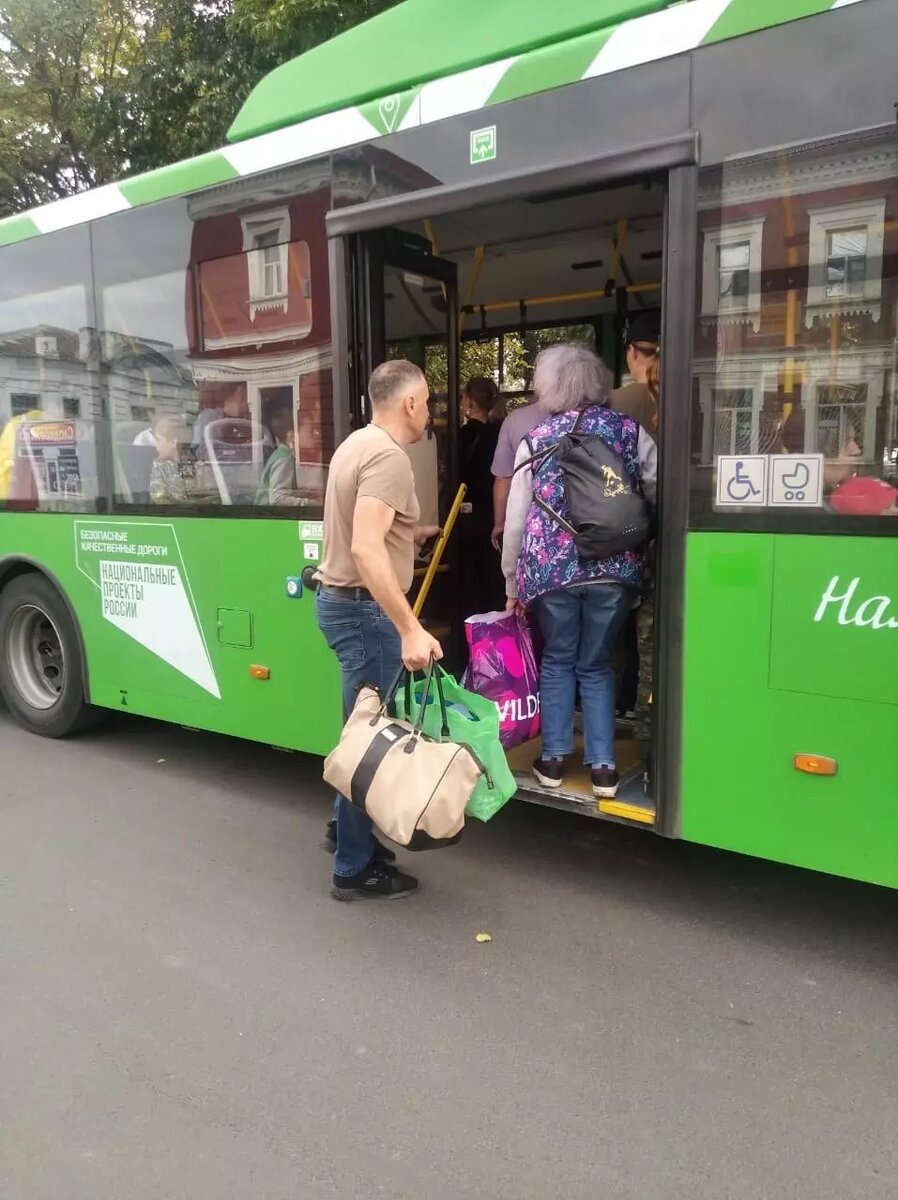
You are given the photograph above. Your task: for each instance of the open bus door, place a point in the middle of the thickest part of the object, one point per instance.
(405, 305)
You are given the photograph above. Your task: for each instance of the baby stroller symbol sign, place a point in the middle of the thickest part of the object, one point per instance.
(796, 480)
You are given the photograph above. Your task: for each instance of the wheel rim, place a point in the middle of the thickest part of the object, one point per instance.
(36, 657)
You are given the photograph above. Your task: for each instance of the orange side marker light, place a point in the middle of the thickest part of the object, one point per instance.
(815, 764)
(258, 672)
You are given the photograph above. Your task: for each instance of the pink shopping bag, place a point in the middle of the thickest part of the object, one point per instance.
(503, 669)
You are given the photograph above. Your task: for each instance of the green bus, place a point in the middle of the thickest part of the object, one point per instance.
(462, 183)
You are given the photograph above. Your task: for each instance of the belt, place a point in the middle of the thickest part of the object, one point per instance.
(346, 593)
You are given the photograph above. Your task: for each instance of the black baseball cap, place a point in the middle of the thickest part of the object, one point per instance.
(645, 327)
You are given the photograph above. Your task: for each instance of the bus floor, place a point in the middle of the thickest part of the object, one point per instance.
(631, 805)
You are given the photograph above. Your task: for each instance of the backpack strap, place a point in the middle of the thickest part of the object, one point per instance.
(541, 455)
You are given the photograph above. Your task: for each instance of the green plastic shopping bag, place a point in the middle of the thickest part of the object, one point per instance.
(474, 721)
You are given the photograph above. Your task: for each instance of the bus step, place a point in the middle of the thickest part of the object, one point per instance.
(627, 812)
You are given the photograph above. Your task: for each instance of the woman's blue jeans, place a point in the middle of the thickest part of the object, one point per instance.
(579, 626)
(368, 649)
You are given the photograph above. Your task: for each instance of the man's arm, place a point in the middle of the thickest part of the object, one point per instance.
(501, 488)
(371, 522)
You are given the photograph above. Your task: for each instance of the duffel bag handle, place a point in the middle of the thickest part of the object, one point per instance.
(433, 672)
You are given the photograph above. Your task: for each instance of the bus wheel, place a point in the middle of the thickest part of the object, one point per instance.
(41, 674)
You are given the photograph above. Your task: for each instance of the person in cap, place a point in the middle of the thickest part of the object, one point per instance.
(639, 398)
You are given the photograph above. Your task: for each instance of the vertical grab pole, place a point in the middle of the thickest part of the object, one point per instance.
(438, 549)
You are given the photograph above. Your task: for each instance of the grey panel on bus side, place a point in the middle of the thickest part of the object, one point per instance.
(812, 79)
(578, 122)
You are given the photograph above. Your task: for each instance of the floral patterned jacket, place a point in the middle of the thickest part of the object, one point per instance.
(539, 555)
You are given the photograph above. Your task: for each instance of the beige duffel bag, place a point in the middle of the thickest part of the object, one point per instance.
(413, 788)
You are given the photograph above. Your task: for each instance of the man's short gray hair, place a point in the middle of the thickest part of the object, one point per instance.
(569, 376)
(392, 380)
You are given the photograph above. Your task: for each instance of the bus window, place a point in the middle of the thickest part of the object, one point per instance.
(216, 322)
(795, 342)
(50, 407)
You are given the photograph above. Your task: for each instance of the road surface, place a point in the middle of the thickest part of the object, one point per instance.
(185, 1013)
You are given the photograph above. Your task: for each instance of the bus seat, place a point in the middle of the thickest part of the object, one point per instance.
(236, 459)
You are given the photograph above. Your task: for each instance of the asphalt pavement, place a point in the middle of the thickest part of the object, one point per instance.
(184, 1013)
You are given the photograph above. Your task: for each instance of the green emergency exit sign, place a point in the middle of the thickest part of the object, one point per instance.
(483, 144)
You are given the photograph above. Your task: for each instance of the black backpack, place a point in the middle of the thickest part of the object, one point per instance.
(608, 515)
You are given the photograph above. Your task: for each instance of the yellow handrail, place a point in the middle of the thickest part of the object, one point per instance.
(439, 548)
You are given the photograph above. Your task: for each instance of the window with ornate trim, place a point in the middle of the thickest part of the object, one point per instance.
(265, 238)
(731, 273)
(845, 259)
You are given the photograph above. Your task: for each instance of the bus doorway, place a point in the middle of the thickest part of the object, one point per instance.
(479, 293)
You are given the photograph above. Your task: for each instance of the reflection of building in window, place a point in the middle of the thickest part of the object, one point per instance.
(845, 259)
(734, 420)
(22, 402)
(846, 262)
(731, 272)
(842, 402)
(841, 419)
(265, 238)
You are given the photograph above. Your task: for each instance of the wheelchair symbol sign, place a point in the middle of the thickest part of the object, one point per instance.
(796, 480)
(741, 480)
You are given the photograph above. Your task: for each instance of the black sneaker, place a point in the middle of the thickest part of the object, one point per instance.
(604, 782)
(549, 774)
(378, 881)
(381, 852)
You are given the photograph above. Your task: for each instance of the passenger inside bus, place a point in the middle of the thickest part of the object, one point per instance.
(533, 273)
(169, 474)
(278, 482)
(580, 605)
(636, 398)
(479, 566)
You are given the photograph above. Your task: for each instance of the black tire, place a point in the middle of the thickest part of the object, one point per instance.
(41, 668)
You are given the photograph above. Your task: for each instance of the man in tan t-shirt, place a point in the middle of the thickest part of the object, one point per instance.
(370, 533)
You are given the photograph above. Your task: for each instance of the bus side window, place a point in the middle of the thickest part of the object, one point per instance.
(798, 304)
(51, 417)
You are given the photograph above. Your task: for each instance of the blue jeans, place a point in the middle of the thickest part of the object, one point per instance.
(367, 647)
(579, 626)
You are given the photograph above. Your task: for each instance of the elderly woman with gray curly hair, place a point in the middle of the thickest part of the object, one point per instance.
(579, 604)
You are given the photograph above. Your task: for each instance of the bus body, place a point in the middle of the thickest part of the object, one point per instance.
(507, 193)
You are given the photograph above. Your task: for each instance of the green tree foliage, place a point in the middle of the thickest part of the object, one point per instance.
(94, 90)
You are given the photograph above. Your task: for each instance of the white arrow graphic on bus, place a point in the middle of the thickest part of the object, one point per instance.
(138, 570)
(150, 604)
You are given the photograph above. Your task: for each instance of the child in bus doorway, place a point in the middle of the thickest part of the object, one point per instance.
(580, 604)
(167, 482)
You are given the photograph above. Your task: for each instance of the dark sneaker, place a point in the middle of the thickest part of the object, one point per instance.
(381, 852)
(549, 774)
(379, 881)
(604, 782)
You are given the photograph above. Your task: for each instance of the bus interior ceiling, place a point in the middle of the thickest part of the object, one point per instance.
(544, 264)
(541, 261)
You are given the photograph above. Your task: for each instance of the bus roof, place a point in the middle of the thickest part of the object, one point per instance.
(414, 43)
(481, 62)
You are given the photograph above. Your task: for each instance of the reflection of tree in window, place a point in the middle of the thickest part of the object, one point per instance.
(841, 411)
(846, 262)
(733, 421)
(733, 274)
(71, 407)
